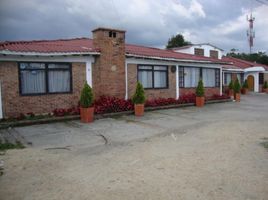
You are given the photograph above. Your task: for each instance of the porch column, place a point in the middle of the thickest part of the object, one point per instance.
(221, 81)
(89, 72)
(126, 82)
(177, 82)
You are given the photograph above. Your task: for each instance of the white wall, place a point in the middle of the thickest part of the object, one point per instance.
(207, 48)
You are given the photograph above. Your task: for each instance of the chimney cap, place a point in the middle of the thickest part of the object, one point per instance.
(108, 29)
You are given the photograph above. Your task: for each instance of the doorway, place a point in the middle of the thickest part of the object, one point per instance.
(250, 83)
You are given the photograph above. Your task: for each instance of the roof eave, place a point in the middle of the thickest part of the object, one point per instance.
(174, 59)
(17, 53)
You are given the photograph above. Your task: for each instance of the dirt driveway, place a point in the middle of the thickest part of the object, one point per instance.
(209, 153)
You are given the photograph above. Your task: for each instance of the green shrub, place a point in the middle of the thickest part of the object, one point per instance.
(231, 85)
(265, 86)
(237, 86)
(245, 85)
(200, 91)
(139, 96)
(86, 98)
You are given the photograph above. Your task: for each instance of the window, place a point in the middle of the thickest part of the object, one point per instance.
(240, 78)
(214, 54)
(44, 78)
(199, 51)
(261, 78)
(227, 78)
(189, 77)
(153, 76)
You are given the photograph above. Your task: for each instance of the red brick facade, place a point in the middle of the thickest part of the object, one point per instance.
(14, 103)
(208, 91)
(109, 67)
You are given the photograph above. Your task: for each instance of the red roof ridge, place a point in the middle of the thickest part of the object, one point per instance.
(35, 41)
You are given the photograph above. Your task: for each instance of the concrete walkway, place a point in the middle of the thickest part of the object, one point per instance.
(190, 153)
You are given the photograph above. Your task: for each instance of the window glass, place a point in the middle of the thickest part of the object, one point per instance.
(160, 68)
(33, 81)
(228, 78)
(146, 67)
(191, 76)
(59, 81)
(160, 79)
(58, 66)
(209, 77)
(146, 78)
(32, 66)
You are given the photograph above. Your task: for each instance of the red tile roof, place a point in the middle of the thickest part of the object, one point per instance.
(85, 45)
(243, 64)
(50, 46)
(163, 53)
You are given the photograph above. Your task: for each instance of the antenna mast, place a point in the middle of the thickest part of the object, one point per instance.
(250, 31)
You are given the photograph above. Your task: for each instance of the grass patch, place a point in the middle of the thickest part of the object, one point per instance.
(7, 145)
(265, 144)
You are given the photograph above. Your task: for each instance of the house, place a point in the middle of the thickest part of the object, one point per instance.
(39, 76)
(255, 73)
(236, 68)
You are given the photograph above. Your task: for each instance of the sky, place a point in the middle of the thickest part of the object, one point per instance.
(147, 22)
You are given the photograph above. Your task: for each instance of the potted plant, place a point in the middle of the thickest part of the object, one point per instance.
(237, 88)
(265, 87)
(245, 87)
(86, 101)
(139, 99)
(200, 93)
(231, 89)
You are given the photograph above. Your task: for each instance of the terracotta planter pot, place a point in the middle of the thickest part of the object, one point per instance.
(230, 93)
(265, 90)
(237, 97)
(199, 101)
(87, 114)
(244, 90)
(139, 109)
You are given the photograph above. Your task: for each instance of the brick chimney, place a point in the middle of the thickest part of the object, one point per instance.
(109, 68)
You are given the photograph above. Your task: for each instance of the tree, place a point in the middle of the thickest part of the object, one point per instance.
(139, 96)
(177, 41)
(259, 57)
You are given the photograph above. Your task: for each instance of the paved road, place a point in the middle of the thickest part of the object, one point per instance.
(188, 153)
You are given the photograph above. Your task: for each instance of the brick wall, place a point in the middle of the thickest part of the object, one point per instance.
(109, 68)
(151, 93)
(214, 54)
(14, 104)
(199, 52)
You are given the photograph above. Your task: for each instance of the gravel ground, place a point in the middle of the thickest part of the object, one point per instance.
(209, 153)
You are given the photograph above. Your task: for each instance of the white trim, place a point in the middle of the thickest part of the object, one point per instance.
(254, 69)
(256, 79)
(126, 81)
(177, 83)
(234, 70)
(1, 107)
(89, 73)
(221, 81)
(48, 58)
(173, 59)
(161, 62)
(20, 53)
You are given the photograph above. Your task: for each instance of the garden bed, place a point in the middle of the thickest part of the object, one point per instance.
(53, 119)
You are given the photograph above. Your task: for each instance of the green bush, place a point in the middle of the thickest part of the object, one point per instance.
(245, 85)
(200, 91)
(231, 85)
(86, 98)
(265, 86)
(139, 96)
(237, 86)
